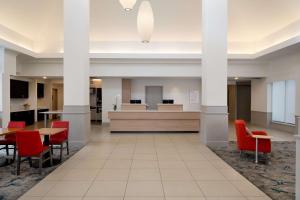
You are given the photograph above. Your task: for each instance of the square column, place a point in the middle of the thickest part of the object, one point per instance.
(214, 114)
(8, 60)
(297, 189)
(76, 69)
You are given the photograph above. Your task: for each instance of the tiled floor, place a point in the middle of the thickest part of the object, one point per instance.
(144, 167)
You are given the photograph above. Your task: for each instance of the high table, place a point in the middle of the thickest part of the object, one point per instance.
(257, 138)
(52, 112)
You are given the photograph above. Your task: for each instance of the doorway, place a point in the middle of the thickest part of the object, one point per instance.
(239, 101)
(243, 91)
(154, 96)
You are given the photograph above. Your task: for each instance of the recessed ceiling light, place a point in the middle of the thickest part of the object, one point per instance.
(44, 77)
(236, 78)
(128, 4)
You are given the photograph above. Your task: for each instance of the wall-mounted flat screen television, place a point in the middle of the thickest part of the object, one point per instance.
(40, 90)
(19, 89)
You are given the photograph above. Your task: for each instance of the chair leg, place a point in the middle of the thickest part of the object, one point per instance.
(67, 147)
(51, 160)
(61, 151)
(15, 153)
(18, 165)
(30, 162)
(7, 150)
(40, 163)
(51, 147)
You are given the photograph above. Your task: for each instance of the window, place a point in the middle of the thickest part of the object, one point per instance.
(283, 101)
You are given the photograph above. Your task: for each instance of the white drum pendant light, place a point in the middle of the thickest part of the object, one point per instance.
(127, 4)
(145, 21)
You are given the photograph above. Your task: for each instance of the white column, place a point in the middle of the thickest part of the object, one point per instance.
(76, 68)
(214, 118)
(8, 60)
(297, 189)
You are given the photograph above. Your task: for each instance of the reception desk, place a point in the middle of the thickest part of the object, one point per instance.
(154, 121)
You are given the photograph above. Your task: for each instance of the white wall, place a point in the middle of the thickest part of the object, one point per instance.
(46, 101)
(287, 67)
(111, 88)
(173, 88)
(280, 67)
(260, 91)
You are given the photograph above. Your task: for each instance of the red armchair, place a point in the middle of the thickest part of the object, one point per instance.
(60, 138)
(245, 140)
(10, 139)
(30, 145)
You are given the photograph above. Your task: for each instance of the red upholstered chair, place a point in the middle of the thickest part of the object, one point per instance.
(60, 138)
(30, 145)
(245, 141)
(10, 139)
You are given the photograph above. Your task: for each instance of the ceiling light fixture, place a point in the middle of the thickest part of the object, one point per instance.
(127, 4)
(236, 78)
(145, 21)
(44, 77)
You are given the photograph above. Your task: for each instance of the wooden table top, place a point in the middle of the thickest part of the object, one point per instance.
(262, 137)
(51, 131)
(6, 131)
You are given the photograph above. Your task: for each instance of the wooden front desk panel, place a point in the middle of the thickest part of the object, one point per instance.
(170, 107)
(144, 121)
(128, 106)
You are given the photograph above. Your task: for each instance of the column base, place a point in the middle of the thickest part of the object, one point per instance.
(80, 123)
(214, 125)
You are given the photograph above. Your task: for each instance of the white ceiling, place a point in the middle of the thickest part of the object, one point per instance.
(175, 20)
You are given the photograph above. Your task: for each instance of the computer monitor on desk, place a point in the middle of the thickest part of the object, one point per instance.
(135, 101)
(168, 101)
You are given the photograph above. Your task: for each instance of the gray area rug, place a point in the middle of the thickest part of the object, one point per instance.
(12, 186)
(275, 176)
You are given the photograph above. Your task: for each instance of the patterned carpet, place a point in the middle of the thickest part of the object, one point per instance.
(276, 178)
(12, 186)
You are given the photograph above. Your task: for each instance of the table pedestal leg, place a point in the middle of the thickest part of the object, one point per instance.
(256, 150)
(45, 120)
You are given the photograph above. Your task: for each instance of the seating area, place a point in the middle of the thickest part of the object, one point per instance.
(27, 145)
(255, 141)
(149, 100)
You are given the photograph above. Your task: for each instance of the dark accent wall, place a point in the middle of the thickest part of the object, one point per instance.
(243, 100)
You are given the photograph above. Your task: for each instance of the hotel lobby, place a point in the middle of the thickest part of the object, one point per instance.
(150, 100)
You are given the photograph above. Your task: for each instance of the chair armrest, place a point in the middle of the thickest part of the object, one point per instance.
(259, 133)
(262, 137)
